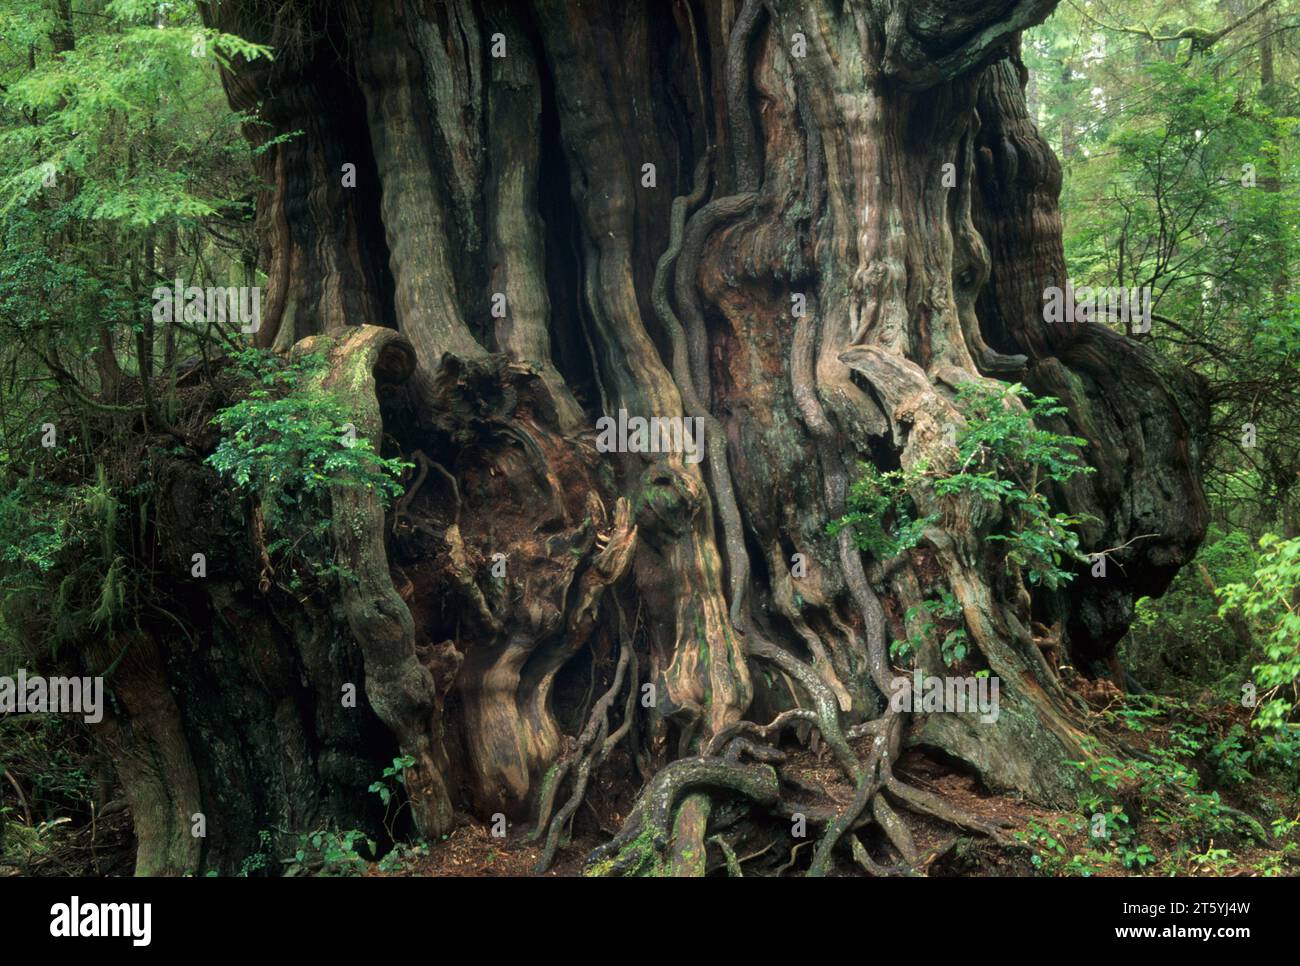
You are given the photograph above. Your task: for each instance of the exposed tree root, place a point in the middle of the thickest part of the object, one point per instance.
(872, 868)
(644, 841)
(927, 803)
(869, 780)
(592, 748)
(783, 720)
(643, 845)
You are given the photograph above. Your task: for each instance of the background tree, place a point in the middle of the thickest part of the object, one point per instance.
(1185, 182)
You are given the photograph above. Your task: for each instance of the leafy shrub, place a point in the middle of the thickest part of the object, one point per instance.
(287, 444)
(1005, 459)
(390, 782)
(1018, 460)
(1163, 791)
(1271, 601)
(329, 852)
(1180, 638)
(944, 609)
(881, 513)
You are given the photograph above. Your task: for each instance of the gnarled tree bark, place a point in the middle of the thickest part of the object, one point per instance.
(798, 151)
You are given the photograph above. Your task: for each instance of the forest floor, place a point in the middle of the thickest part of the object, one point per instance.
(1177, 814)
(1184, 800)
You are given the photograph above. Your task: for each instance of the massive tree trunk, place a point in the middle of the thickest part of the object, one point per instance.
(735, 211)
